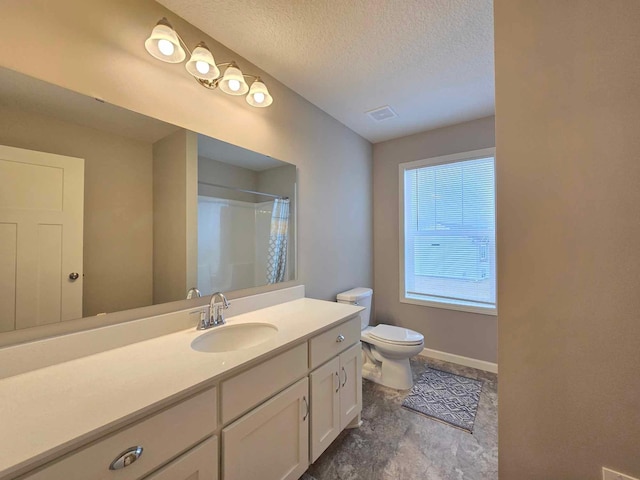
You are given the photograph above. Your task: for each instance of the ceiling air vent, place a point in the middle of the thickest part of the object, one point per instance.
(382, 113)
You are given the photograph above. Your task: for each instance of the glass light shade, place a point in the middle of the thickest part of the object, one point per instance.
(202, 65)
(233, 82)
(164, 45)
(259, 95)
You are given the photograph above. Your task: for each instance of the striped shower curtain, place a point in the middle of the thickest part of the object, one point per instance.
(278, 237)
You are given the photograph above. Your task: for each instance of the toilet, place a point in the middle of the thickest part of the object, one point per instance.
(386, 348)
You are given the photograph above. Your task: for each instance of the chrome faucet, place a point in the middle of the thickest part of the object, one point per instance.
(193, 293)
(216, 309)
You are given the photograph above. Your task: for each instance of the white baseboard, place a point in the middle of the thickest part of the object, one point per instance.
(460, 360)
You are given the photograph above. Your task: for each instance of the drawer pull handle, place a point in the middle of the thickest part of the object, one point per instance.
(126, 458)
(345, 377)
(338, 378)
(304, 399)
(340, 338)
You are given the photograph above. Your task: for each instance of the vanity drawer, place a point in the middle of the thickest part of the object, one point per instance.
(162, 437)
(329, 344)
(248, 389)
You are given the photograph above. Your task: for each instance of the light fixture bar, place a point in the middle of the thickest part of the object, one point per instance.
(167, 45)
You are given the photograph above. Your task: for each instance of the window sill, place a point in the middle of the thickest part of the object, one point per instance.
(450, 306)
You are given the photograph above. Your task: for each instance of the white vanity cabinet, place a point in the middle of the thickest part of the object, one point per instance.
(272, 441)
(266, 421)
(336, 383)
(351, 384)
(199, 463)
(277, 439)
(336, 398)
(160, 438)
(325, 406)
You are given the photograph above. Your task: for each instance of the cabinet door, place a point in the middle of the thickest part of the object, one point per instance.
(325, 406)
(271, 442)
(199, 463)
(350, 384)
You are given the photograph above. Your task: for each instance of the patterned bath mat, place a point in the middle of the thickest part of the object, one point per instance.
(446, 397)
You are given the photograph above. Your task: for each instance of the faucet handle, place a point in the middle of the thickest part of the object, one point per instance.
(203, 323)
(225, 303)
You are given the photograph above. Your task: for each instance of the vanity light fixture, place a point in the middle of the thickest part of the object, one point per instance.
(165, 44)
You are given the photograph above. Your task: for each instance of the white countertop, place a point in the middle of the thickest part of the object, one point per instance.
(45, 412)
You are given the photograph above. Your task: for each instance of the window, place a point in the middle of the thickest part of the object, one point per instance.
(448, 233)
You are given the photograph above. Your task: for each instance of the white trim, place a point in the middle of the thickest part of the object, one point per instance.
(450, 306)
(455, 157)
(460, 360)
(402, 167)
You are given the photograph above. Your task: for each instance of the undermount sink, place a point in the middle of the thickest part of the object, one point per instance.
(234, 337)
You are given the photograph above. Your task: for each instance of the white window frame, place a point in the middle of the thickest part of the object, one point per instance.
(456, 157)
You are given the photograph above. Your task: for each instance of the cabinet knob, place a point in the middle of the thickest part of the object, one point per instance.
(74, 276)
(340, 338)
(126, 458)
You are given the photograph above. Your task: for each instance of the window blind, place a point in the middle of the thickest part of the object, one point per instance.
(449, 233)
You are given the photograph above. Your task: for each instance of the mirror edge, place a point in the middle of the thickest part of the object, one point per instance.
(43, 332)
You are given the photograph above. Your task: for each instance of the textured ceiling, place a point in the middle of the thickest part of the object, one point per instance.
(430, 60)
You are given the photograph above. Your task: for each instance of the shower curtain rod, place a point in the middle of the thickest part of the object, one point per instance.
(243, 190)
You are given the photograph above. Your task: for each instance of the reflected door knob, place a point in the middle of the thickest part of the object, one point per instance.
(74, 276)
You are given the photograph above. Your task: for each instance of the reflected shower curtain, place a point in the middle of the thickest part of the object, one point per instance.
(278, 237)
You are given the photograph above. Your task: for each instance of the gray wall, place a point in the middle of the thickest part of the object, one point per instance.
(467, 334)
(87, 54)
(221, 173)
(175, 186)
(568, 143)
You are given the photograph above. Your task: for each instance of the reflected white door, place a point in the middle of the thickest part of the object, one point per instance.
(41, 215)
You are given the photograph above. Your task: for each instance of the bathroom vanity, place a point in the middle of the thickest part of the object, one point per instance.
(179, 406)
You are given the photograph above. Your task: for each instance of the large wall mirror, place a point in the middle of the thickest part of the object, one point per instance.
(104, 210)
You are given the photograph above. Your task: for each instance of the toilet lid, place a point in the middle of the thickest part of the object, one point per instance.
(396, 335)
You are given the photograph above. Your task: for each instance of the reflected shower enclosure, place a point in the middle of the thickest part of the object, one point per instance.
(235, 244)
(246, 207)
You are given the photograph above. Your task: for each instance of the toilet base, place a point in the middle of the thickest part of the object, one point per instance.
(372, 373)
(392, 373)
(397, 374)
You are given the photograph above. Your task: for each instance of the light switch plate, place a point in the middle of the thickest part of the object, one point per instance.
(611, 475)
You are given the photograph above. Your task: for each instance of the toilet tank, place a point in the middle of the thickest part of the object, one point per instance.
(359, 296)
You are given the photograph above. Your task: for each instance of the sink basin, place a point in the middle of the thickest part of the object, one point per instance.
(234, 337)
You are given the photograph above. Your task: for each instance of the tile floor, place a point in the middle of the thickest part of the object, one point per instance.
(396, 444)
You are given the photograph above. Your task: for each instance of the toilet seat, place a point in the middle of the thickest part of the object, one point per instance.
(393, 335)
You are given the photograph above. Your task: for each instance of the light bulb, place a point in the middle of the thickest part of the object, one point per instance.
(202, 67)
(166, 47)
(232, 82)
(259, 95)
